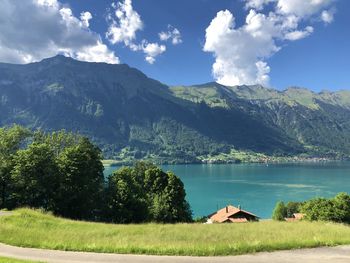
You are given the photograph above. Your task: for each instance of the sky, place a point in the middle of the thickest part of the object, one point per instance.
(275, 43)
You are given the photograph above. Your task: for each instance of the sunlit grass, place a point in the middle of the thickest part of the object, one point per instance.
(11, 260)
(33, 229)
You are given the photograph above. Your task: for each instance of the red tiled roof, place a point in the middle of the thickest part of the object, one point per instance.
(224, 214)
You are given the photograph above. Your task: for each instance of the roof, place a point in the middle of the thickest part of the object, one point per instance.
(223, 214)
(298, 216)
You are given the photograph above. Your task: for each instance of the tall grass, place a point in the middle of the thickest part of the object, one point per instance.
(11, 260)
(30, 228)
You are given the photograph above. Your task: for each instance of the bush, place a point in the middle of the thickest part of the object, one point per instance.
(336, 209)
(146, 193)
(280, 212)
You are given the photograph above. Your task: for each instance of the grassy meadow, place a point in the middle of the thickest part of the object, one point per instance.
(11, 260)
(30, 228)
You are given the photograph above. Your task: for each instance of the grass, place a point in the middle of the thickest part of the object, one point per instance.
(28, 228)
(11, 260)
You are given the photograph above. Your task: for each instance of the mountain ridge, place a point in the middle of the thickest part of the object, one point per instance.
(131, 116)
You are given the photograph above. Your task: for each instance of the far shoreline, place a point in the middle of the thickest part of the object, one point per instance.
(115, 163)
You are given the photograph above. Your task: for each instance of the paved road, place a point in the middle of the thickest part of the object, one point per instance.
(339, 254)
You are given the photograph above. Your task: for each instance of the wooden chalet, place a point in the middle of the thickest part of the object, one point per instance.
(295, 217)
(231, 214)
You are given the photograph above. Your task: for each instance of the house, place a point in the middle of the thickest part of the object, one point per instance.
(295, 217)
(231, 214)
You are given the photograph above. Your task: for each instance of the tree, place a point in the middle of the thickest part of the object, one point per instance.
(170, 204)
(292, 208)
(35, 177)
(81, 181)
(342, 208)
(280, 212)
(146, 193)
(125, 203)
(336, 209)
(11, 140)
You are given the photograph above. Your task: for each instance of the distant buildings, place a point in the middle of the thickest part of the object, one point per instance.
(295, 217)
(231, 214)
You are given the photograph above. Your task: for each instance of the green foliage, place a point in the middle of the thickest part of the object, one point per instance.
(146, 193)
(59, 171)
(81, 181)
(280, 212)
(124, 201)
(292, 208)
(336, 209)
(35, 177)
(63, 173)
(11, 139)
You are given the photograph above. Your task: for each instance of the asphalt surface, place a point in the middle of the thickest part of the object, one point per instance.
(340, 254)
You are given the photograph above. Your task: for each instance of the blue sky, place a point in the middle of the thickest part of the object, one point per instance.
(312, 52)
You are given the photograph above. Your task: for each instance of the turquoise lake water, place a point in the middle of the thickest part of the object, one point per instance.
(257, 187)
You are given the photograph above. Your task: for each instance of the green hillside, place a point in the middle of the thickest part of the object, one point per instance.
(39, 230)
(131, 116)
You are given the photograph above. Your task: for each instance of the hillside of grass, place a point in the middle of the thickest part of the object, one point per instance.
(28, 228)
(12, 260)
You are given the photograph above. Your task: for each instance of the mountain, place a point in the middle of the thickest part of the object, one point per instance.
(132, 116)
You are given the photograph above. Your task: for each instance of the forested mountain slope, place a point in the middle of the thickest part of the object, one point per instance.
(132, 116)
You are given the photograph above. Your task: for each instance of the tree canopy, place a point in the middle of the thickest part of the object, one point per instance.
(146, 193)
(62, 172)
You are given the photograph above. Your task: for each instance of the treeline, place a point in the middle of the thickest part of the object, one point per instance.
(62, 172)
(336, 209)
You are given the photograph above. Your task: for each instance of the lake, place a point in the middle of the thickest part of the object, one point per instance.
(257, 187)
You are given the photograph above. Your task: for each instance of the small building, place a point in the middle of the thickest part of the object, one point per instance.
(231, 214)
(295, 217)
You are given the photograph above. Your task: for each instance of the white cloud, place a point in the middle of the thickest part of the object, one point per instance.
(151, 50)
(127, 23)
(172, 34)
(302, 8)
(299, 34)
(241, 52)
(257, 4)
(33, 30)
(327, 16)
(85, 17)
(96, 53)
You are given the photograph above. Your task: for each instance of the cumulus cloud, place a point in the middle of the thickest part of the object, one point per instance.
(299, 34)
(302, 8)
(257, 4)
(241, 52)
(85, 17)
(125, 22)
(33, 30)
(172, 34)
(151, 50)
(327, 16)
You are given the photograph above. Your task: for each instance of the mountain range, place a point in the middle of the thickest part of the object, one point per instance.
(131, 116)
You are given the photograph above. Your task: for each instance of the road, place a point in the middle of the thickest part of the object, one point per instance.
(340, 254)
